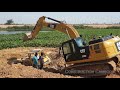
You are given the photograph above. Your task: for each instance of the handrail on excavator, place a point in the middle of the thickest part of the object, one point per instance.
(54, 19)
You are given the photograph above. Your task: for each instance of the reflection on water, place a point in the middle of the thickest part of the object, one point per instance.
(12, 32)
(15, 32)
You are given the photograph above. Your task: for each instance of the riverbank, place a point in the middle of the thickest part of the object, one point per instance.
(16, 28)
(21, 28)
(21, 25)
(88, 25)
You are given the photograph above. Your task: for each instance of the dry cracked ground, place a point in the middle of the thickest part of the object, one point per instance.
(10, 69)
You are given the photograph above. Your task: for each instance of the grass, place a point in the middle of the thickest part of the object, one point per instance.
(51, 39)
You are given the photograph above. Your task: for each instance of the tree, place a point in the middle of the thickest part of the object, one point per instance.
(9, 22)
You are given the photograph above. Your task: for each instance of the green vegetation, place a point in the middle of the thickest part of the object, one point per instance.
(81, 26)
(113, 27)
(50, 39)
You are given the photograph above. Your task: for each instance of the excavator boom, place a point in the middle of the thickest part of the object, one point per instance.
(60, 26)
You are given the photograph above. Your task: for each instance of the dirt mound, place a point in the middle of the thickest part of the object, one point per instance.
(21, 71)
(13, 66)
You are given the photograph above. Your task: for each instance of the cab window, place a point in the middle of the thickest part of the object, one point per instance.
(66, 48)
(73, 47)
(79, 42)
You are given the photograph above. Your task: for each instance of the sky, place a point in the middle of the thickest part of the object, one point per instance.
(69, 17)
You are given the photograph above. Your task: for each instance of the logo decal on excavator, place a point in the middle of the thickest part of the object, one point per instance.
(82, 51)
(52, 26)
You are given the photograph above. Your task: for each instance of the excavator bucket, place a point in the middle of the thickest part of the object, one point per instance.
(27, 36)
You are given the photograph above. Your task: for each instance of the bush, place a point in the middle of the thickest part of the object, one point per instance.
(113, 27)
(80, 26)
(9, 22)
(20, 28)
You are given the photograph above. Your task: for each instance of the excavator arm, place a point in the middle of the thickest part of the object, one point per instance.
(60, 26)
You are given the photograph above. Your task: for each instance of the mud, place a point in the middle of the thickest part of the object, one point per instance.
(14, 65)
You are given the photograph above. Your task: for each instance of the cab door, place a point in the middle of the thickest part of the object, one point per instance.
(67, 51)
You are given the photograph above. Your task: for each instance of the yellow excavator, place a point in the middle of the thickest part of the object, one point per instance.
(99, 53)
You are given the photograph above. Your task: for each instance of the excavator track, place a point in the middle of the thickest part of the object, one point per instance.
(94, 69)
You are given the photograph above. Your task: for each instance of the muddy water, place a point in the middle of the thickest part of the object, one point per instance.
(12, 32)
(15, 32)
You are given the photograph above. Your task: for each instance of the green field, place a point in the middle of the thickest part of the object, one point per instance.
(51, 39)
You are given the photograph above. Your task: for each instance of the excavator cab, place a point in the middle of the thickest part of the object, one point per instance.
(75, 49)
